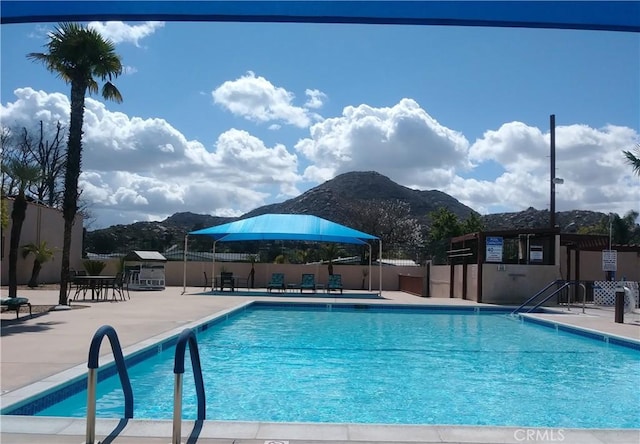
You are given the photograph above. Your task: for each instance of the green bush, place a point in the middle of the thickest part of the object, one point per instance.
(94, 268)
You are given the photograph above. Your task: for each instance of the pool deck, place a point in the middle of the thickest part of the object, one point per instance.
(53, 345)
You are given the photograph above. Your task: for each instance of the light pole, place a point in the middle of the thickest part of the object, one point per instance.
(610, 229)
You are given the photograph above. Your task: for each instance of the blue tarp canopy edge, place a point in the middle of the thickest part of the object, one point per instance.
(296, 227)
(589, 15)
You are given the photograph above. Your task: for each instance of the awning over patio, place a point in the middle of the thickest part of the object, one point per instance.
(301, 227)
(293, 227)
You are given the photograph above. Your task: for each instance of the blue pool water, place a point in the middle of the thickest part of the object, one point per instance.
(380, 366)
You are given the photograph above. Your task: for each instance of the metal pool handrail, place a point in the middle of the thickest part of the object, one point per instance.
(565, 285)
(535, 296)
(92, 378)
(187, 335)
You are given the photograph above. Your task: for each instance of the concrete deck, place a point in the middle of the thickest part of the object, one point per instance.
(52, 346)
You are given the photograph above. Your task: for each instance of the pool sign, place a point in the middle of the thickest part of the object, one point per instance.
(609, 260)
(494, 249)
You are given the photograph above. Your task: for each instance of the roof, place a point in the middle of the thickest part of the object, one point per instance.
(148, 256)
(593, 15)
(300, 227)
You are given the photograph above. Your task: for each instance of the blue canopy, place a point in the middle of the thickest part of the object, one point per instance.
(593, 15)
(300, 227)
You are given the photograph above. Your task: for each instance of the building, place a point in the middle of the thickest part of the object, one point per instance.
(42, 223)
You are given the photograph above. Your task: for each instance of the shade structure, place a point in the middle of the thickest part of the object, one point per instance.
(592, 15)
(295, 227)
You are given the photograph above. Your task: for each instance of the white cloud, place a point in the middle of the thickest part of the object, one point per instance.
(589, 160)
(119, 32)
(128, 70)
(138, 168)
(403, 142)
(258, 100)
(315, 98)
(142, 169)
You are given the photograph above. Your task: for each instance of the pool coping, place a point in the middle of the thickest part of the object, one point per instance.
(305, 431)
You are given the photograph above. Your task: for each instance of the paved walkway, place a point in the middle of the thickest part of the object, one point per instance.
(38, 349)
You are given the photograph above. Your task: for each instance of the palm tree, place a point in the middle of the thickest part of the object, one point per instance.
(42, 253)
(78, 55)
(634, 160)
(329, 253)
(25, 174)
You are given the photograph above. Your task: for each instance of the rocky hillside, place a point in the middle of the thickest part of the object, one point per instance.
(331, 200)
(568, 221)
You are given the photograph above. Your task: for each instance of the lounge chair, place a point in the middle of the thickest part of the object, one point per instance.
(308, 282)
(334, 283)
(276, 282)
(15, 304)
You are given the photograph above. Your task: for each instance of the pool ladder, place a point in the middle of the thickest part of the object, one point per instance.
(187, 336)
(565, 284)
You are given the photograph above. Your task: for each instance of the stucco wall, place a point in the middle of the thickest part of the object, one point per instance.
(41, 224)
(351, 274)
(514, 284)
(440, 281)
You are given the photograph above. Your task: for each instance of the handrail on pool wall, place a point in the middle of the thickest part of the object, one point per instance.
(187, 335)
(92, 378)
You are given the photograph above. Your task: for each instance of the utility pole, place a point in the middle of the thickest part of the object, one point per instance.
(552, 205)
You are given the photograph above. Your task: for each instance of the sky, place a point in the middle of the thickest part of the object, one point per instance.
(222, 118)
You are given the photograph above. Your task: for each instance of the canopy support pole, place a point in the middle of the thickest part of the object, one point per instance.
(380, 270)
(213, 267)
(184, 266)
(370, 251)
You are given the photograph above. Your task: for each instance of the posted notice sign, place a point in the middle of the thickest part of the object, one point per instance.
(494, 249)
(609, 260)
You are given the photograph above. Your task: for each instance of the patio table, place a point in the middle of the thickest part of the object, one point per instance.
(94, 283)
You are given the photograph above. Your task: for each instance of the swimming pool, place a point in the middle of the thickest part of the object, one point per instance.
(357, 363)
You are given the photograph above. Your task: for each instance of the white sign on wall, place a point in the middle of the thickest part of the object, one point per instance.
(609, 260)
(494, 249)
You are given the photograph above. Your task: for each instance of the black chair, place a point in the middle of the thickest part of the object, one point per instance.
(120, 285)
(227, 279)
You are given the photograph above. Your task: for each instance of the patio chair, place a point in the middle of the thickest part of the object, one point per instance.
(242, 281)
(227, 280)
(334, 283)
(308, 282)
(120, 285)
(276, 282)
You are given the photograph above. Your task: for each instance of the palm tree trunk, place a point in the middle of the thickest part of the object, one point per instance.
(72, 173)
(18, 214)
(35, 272)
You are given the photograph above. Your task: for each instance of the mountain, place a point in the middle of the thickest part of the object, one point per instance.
(568, 221)
(330, 200)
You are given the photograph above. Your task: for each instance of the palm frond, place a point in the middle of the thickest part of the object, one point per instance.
(109, 91)
(633, 160)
